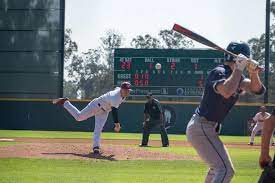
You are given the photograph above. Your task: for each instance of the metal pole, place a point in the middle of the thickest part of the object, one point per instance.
(267, 49)
(62, 32)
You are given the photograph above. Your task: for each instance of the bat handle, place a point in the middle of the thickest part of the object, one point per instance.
(273, 162)
(254, 64)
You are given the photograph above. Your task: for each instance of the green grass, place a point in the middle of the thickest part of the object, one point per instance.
(38, 170)
(70, 171)
(245, 161)
(51, 171)
(7, 143)
(87, 135)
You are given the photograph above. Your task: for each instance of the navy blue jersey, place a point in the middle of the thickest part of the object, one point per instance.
(213, 106)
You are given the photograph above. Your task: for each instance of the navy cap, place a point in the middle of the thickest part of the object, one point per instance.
(149, 94)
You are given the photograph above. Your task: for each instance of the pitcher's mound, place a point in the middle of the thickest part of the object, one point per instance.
(83, 151)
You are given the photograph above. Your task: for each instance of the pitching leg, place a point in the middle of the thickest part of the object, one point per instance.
(255, 130)
(100, 121)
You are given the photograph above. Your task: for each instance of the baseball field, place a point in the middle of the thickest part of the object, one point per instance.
(43, 156)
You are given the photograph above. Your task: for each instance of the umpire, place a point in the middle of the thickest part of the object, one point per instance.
(153, 117)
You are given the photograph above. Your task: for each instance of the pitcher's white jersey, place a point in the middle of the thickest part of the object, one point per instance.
(100, 108)
(111, 99)
(259, 118)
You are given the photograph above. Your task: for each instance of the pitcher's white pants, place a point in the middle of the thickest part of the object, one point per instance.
(92, 109)
(258, 127)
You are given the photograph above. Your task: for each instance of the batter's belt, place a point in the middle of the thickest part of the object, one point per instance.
(203, 120)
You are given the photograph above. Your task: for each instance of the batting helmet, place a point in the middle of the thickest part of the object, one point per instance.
(237, 47)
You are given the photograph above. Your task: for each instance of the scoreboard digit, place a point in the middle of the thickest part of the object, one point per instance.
(182, 72)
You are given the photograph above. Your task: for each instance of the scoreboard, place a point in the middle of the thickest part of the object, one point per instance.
(182, 73)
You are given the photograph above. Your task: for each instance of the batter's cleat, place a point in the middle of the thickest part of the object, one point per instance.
(251, 143)
(96, 150)
(273, 144)
(60, 101)
(167, 145)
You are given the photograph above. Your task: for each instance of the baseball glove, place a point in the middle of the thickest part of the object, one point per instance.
(117, 127)
(268, 174)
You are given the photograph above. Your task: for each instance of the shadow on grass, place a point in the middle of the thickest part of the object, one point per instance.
(89, 156)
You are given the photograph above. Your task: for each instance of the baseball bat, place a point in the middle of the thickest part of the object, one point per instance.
(204, 41)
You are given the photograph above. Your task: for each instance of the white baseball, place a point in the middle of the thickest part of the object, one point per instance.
(158, 66)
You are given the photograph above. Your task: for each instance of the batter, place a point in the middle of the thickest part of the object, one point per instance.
(223, 86)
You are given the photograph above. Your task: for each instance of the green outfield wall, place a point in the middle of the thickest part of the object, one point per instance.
(37, 114)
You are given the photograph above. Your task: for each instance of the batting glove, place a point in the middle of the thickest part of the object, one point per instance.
(241, 62)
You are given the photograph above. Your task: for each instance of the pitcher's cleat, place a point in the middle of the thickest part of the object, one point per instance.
(60, 101)
(251, 143)
(96, 150)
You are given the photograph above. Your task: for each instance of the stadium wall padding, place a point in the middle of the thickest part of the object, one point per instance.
(43, 115)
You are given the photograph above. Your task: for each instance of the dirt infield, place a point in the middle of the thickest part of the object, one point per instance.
(112, 150)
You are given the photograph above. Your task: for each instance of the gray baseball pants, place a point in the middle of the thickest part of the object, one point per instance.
(202, 134)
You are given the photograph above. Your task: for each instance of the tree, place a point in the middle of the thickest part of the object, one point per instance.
(109, 42)
(70, 46)
(70, 50)
(166, 39)
(257, 45)
(92, 71)
(145, 42)
(173, 40)
(86, 71)
(70, 89)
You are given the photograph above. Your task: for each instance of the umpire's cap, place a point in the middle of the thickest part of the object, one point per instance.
(149, 95)
(237, 47)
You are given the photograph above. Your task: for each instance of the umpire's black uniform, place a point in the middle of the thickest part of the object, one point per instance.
(153, 117)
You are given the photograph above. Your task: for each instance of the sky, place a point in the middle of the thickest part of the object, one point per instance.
(221, 21)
